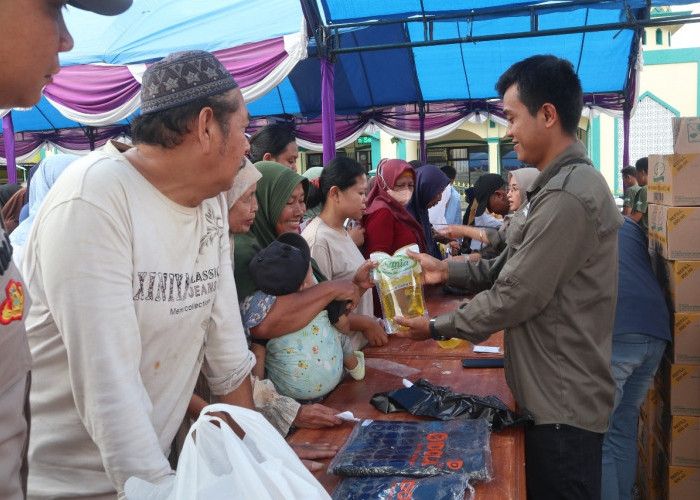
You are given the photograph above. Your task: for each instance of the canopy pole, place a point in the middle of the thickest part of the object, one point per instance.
(421, 120)
(630, 92)
(8, 131)
(626, 134)
(328, 109)
(91, 137)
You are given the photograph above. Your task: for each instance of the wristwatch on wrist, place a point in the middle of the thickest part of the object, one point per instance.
(433, 331)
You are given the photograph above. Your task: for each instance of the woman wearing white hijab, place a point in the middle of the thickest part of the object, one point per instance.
(241, 200)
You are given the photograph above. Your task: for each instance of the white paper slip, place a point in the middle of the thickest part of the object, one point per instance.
(347, 416)
(485, 348)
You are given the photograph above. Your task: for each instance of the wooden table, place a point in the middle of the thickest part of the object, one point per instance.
(400, 348)
(437, 303)
(389, 364)
(507, 447)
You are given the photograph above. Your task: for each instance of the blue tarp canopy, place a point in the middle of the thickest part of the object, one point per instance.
(385, 53)
(449, 72)
(44, 116)
(152, 29)
(338, 12)
(406, 51)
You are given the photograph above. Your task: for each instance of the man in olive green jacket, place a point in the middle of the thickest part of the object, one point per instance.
(555, 296)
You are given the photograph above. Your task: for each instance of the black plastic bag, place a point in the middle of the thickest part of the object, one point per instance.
(426, 399)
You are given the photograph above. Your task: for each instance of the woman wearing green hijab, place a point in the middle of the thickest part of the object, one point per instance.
(281, 194)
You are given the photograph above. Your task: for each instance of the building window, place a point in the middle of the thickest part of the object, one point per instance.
(364, 158)
(509, 159)
(314, 160)
(470, 162)
(659, 37)
(644, 37)
(478, 163)
(582, 134)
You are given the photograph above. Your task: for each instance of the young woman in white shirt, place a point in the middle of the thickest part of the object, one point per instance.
(342, 188)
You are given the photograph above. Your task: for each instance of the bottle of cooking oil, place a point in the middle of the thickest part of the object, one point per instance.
(399, 285)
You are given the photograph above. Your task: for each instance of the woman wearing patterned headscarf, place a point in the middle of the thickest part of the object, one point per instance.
(388, 225)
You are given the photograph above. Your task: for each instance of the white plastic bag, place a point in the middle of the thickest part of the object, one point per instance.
(215, 463)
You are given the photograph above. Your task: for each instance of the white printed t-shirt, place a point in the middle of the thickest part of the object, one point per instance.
(131, 294)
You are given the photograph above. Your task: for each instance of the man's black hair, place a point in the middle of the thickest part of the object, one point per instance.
(546, 79)
(628, 170)
(449, 171)
(642, 165)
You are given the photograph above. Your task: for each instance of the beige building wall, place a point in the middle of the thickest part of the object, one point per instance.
(676, 84)
(412, 150)
(607, 144)
(386, 147)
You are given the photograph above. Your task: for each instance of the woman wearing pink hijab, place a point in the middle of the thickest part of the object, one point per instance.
(388, 224)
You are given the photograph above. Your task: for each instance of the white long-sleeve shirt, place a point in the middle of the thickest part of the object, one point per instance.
(132, 293)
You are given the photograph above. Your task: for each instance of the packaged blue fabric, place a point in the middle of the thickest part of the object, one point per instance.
(451, 487)
(416, 449)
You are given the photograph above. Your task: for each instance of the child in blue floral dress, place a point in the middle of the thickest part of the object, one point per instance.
(306, 364)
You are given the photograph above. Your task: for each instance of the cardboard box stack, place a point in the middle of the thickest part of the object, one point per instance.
(669, 425)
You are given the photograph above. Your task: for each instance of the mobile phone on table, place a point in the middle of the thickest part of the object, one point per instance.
(483, 363)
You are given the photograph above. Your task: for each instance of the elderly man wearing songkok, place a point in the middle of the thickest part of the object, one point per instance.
(133, 300)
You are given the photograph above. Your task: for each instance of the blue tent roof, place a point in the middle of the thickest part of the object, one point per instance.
(337, 12)
(43, 116)
(397, 52)
(152, 29)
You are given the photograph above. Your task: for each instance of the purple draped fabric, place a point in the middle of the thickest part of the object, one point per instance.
(423, 149)
(311, 129)
(626, 138)
(93, 89)
(9, 131)
(252, 62)
(74, 139)
(328, 109)
(96, 89)
(398, 117)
